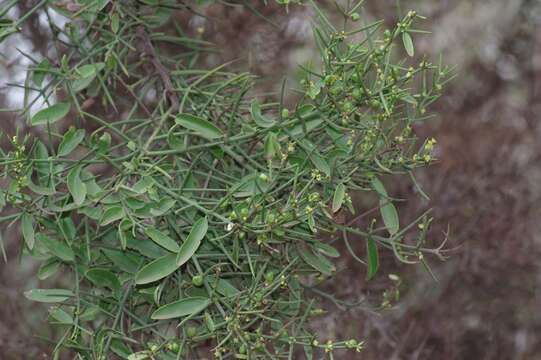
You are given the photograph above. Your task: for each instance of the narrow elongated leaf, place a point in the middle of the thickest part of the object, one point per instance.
(326, 249)
(387, 209)
(192, 242)
(272, 147)
(72, 138)
(103, 278)
(338, 198)
(259, 119)
(41, 190)
(372, 258)
(123, 260)
(316, 261)
(48, 268)
(408, 43)
(161, 239)
(157, 269)
(61, 316)
(119, 348)
(320, 163)
(48, 295)
(183, 307)
(51, 114)
(317, 159)
(223, 286)
(43, 165)
(87, 73)
(57, 248)
(76, 186)
(27, 225)
(112, 214)
(201, 126)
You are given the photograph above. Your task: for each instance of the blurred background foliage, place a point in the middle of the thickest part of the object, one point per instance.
(485, 186)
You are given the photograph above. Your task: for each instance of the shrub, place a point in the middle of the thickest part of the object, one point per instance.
(179, 214)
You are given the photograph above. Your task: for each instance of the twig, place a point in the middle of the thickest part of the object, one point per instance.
(148, 49)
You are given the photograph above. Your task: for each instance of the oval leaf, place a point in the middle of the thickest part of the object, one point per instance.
(272, 147)
(72, 138)
(48, 268)
(161, 239)
(124, 261)
(326, 249)
(408, 43)
(51, 114)
(57, 248)
(338, 198)
(157, 269)
(372, 258)
(387, 209)
(27, 225)
(76, 186)
(316, 261)
(112, 214)
(48, 295)
(184, 307)
(192, 242)
(223, 286)
(103, 278)
(200, 126)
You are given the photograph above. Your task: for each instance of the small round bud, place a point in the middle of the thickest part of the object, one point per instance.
(197, 280)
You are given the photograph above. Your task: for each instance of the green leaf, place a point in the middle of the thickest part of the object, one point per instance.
(123, 260)
(272, 147)
(338, 198)
(76, 186)
(103, 278)
(193, 241)
(314, 89)
(157, 269)
(123, 227)
(320, 163)
(41, 190)
(316, 261)
(372, 258)
(112, 214)
(161, 239)
(115, 23)
(51, 114)
(48, 295)
(387, 209)
(222, 286)
(140, 355)
(163, 206)
(119, 348)
(87, 73)
(43, 165)
(326, 249)
(183, 307)
(72, 138)
(40, 72)
(259, 119)
(408, 43)
(61, 316)
(57, 248)
(48, 268)
(317, 159)
(27, 225)
(200, 126)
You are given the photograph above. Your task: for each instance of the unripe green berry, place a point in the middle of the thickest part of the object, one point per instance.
(197, 280)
